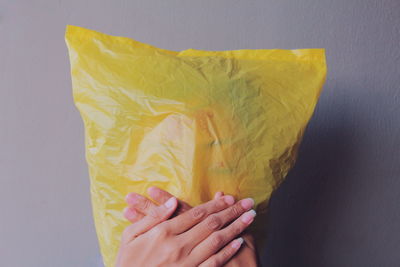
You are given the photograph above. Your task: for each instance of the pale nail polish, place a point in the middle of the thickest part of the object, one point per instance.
(170, 203)
(248, 217)
(237, 243)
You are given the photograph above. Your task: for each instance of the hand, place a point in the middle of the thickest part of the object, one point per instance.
(198, 237)
(139, 206)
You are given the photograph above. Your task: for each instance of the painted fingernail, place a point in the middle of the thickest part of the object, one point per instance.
(229, 200)
(237, 243)
(247, 203)
(248, 217)
(170, 203)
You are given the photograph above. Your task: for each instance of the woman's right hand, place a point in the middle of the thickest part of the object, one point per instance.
(203, 236)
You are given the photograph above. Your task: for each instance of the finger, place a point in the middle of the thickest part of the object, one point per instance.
(160, 196)
(140, 203)
(132, 215)
(218, 194)
(224, 255)
(185, 221)
(216, 221)
(218, 239)
(155, 216)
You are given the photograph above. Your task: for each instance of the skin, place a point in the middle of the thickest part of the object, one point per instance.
(203, 236)
(139, 206)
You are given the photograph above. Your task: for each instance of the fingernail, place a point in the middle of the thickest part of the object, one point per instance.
(229, 200)
(237, 243)
(247, 203)
(248, 217)
(170, 203)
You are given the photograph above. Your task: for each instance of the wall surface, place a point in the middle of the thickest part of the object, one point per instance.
(340, 205)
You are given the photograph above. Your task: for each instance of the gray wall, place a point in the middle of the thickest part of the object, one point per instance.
(340, 204)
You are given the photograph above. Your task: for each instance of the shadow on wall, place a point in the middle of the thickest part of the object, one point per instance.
(303, 210)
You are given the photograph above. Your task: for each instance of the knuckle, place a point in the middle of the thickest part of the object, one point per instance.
(226, 253)
(145, 204)
(220, 203)
(213, 222)
(164, 229)
(154, 213)
(127, 233)
(159, 231)
(235, 211)
(236, 229)
(213, 262)
(217, 241)
(176, 252)
(197, 212)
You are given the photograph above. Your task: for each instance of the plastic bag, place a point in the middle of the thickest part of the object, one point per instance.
(191, 122)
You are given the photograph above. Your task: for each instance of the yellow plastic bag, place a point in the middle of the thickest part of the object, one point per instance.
(191, 122)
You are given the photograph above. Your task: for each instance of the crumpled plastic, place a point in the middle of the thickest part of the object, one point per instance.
(191, 122)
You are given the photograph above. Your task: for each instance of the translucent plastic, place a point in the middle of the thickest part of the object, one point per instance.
(191, 122)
